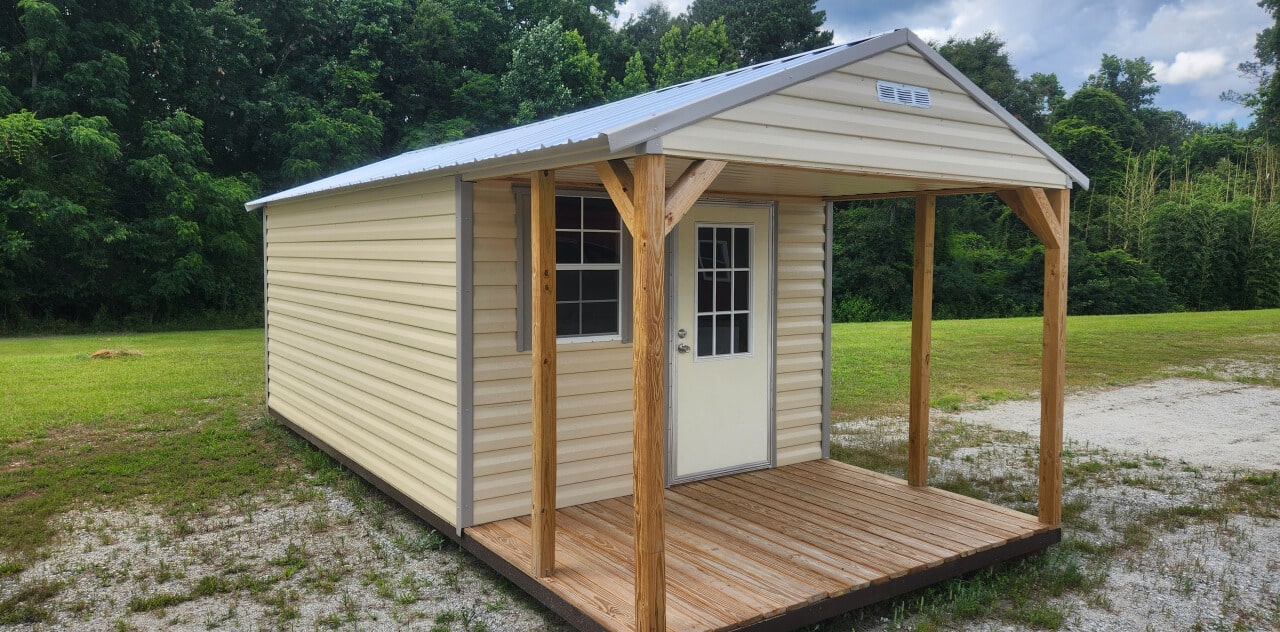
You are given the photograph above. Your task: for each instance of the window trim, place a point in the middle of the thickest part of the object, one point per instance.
(524, 257)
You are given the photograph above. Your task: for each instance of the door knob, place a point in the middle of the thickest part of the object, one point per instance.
(682, 348)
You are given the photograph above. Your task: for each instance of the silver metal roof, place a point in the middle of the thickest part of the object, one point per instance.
(630, 122)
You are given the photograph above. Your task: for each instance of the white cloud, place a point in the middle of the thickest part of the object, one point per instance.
(1190, 66)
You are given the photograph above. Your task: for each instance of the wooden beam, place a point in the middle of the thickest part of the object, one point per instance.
(921, 335)
(543, 265)
(1053, 366)
(1031, 205)
(688, 188)
(648, 351)
(621, 186)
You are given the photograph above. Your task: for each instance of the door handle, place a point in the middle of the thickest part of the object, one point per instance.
(682, 348)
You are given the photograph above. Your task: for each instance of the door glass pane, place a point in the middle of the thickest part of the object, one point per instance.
(706, 247)
(705, 291)
(741, 247)
(741, 333)
(722, 247)
(723, 333)
(724, 292)
(706, 338)
(741, 290)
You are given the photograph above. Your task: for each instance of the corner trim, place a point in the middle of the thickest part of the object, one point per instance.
(266, 315)
(435, 521)
(830, 243)
(465, 229)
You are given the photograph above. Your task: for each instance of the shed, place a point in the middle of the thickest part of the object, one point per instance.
(596, 349)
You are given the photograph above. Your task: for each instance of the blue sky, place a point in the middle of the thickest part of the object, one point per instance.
(1193, 44)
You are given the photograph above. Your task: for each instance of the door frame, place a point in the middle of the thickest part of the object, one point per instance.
(671, 257)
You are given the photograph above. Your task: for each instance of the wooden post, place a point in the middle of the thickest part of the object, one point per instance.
(921, 335)
(1053, 367)
(649, 390)
(543, 248)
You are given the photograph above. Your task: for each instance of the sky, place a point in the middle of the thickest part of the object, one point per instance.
(1194, 45)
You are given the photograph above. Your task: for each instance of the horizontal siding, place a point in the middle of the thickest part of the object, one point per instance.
(798, 400)
(362, 330)
(594, 418)
(835, 121)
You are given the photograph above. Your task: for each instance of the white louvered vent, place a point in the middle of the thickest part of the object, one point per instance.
(902, 94)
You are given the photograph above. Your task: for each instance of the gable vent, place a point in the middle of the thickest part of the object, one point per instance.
(902, 94)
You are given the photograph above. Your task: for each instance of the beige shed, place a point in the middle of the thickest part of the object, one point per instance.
(595, 350)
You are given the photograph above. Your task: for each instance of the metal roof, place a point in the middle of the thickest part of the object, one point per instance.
(630, 122)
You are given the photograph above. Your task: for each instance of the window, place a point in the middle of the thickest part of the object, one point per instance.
(588, 267)
(593, 263)
(723, 291)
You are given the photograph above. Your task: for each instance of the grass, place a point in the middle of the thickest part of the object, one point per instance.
(979, 361)
(180, 425)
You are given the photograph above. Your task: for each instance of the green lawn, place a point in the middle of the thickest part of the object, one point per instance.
(996, 359)
(182, 424)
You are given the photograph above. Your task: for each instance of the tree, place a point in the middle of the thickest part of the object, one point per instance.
(761, 30)
(1133, 80)
(702, 52)
(551, 73)
(635, 82)
(1105, 110)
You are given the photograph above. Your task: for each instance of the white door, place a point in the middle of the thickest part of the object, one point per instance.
(722, 342)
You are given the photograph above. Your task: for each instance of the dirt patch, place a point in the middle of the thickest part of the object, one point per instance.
(102, 354)
(1225, 425)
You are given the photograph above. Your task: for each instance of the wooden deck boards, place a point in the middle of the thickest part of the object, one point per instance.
(743, 550)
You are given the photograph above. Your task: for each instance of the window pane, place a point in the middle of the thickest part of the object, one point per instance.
(599, 284)
(599, 213)
(724, 292)
(722, 334)
(706, 337)
(600, 317)
(741, 333)
(741, 290)
(567, 323)
(600, 248)
(705, 292)
(722, 247)
(741, 247)
(705, 246)
(566, 285)
(568, 246)
(568, 212)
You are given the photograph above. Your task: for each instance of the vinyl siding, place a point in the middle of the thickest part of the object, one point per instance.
(594, 388)
(800, 287)
(835, 121)
(361, 330)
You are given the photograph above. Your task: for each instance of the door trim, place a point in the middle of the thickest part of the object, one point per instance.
(771, 329)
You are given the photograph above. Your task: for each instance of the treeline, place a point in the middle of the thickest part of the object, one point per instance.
(132, 131)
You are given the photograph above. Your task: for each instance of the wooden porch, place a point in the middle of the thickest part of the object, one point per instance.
(771, 549)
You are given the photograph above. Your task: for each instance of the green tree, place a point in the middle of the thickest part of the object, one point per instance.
(635, 82)
(551, 73)
(702, 52)
(1132, 80)
(1103, 109)
(761, 30)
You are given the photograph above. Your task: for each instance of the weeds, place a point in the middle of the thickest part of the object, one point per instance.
(26, 605)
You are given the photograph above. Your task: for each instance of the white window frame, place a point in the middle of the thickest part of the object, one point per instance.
(524, 310)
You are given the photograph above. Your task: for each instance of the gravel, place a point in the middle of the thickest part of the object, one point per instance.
(315, 559)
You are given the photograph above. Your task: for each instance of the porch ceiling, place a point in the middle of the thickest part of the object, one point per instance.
(773, 549)
(764, 181)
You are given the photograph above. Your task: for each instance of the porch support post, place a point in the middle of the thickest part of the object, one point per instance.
(543, 247)
(649, 390)
(1053, 365)
(921, 335)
